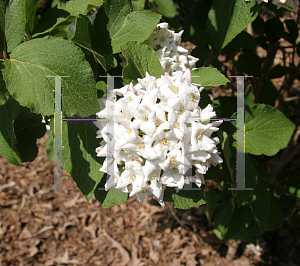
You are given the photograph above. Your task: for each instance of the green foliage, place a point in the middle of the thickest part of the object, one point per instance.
(212, 198)
(251, 177)
(279, 71)
(208, 77)
(28, 127)
(15, 22)
(49, 147)
(8, 113)
(259, 26)
(26, 77)
(242, 40)
(119, 25)
(79, 158)
(3, 6)
(250, 63)
(167, 8)
(184, 199)
(84, 37)
(267, 130)
(31, 7)
(140, 59)
(63, 15)
(111, 197)
(4, 95)
(227, 18)
(268, 93)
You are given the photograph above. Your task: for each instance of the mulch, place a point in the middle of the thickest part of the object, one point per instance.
(48, 227)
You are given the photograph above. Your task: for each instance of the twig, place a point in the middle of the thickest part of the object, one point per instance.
(212, 55)
(266, 69)
(286, 86)
(146, 4)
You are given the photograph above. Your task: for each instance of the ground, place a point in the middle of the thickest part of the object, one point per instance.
(45, 227)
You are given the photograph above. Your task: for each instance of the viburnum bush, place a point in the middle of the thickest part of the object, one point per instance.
(158, 130)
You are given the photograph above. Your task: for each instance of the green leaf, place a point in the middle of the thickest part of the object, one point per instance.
(273, 27)
(62, 15)
(31, 7)
(4, 95)
(50, 147)
(278, 71)
(275, 219)
(79, 158)
(205, 99)
(227, 18)
(184, 199)
(202, 53)
(221, 217)
(3, 6)
(251, 176)
(267, 130)
(138, 4)
(258, 26)
(119, 25)
(140, 58)
(293, 29)
(285, 35)
(208, 77)
(8, 113)
(242, 40)
(83, 37)
(239, 221)
(212, 198)
(77, 7)
(287, 203)
(228, 104)
(167, 8)
(268, 93)
(101, 89)
(251, 233)
(213, 173)
(260, 202)
(112, 197)
(250, 63)
(52, 22)
(229, 155)
(15, 22)
(26, 77)
(249, 97)
(28, 127)
(196, 14)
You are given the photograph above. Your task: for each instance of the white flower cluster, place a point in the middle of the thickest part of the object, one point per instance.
(146, 138)
(282, 3)
(172, 56)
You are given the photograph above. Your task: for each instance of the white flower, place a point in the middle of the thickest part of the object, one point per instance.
(147, 140)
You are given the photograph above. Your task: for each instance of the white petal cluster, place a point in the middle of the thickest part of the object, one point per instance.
(147, 141)
(172, 56)
(282, 3)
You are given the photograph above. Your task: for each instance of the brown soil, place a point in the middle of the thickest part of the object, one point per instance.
(46, 227)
